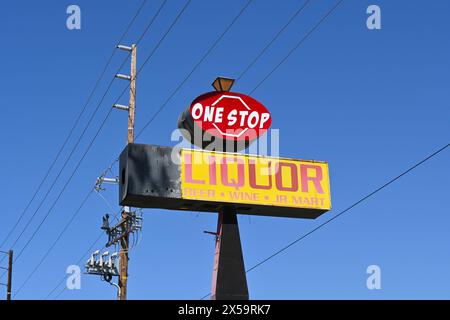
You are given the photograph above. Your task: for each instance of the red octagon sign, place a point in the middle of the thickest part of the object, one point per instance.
(227, 116)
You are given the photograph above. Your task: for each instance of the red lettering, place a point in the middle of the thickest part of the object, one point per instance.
(316, 180)
(294, 177)
(212, 170)
(188, 170)
(252, 176)
(224, 172)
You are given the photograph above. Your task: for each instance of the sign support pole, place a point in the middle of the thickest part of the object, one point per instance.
(229, 278)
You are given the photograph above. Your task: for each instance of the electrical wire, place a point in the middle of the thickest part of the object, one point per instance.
(64, 166)
(78, 142)
(216, 42)
(88, 124)
(88, 251)
(77, 120)
(101, 126)
(55, 242)
(108, 204)
(64, 187)
(271, 42)
(182, 83)
(350, 207)
(299, 43)
(194, 68)
(341, 213)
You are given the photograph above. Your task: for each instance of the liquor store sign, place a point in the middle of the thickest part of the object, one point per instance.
(225, 117)
(199, 180)
(254, 180)
(203, 180)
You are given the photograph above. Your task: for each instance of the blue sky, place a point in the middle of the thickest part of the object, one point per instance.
(371, 103)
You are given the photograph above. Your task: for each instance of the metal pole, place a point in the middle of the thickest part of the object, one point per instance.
(229, 278)
(10, 264)
(124, 242)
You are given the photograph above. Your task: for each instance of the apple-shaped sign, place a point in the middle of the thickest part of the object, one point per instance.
(221, 117)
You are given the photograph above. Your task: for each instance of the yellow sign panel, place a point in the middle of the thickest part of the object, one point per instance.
(255, 180)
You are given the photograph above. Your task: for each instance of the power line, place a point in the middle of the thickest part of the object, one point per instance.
(205, 296)
(80, 138)
(200, 61)
(44, 257)
(151, 21)
(108, 204)
(194, 68)
(216, 42)
(91, 94)
(88, 251)
(102, 124)
(197, 66)
(101, 127)
(64, 166)
(65, 185)
(302, 7)
(251, 64)
(302, 237)
(350, 207)
(174, 22)
(88, 124)
(306, 36)
(255, 60)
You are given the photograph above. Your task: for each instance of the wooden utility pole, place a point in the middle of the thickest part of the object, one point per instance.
(131, 106)
(9, 285)
(123, 266)
(125, 241)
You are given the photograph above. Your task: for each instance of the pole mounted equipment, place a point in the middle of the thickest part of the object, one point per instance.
(102, 179)
(121, 107)
(125, 48)
(103, 267)
(130, 223)
(123, 76)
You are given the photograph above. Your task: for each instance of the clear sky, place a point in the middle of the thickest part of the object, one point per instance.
(370, 102)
